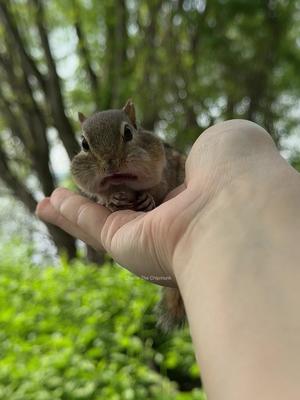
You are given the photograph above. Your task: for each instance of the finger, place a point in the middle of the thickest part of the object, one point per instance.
(124, 234)
(46, 212)
(117, 223)
(128, 237)
(80, 211)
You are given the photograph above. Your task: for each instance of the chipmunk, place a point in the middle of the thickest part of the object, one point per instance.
(123, 166)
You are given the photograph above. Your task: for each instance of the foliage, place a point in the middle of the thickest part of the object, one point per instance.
(296, 161)
(78, 332)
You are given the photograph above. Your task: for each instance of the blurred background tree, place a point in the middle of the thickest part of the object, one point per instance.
(186, 63)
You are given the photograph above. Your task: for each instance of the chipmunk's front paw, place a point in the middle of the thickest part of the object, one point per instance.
(120, 201)
(144, 202)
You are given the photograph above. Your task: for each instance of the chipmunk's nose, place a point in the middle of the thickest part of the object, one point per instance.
(111, 166)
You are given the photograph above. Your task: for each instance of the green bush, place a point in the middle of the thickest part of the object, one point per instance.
(80, 332)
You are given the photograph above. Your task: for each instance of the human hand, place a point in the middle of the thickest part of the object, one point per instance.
(148, 243)
(223, 237)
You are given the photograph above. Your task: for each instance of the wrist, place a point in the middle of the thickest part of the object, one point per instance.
(229, 269)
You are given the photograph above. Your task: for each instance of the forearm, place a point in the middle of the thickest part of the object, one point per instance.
(241, 292)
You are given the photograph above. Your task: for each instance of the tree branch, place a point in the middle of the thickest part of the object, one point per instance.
(29, 120)
(53, 88)
(17, 187)
(29, 63)
(62, 240)
(116, 44)
(85, 57)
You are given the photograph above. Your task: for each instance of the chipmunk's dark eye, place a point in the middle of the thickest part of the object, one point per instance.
(84, 144)
(127, 134)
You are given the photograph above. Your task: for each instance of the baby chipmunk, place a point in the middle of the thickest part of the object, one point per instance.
(123, 166)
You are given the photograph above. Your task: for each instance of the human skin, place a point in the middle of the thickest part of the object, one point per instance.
(229, 238)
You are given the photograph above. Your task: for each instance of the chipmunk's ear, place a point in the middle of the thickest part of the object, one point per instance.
(130, 111)
(81, 117)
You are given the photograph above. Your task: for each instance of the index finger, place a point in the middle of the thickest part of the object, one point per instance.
(48, 213)
(86, 214)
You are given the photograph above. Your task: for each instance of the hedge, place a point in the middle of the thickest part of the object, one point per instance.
(77, 331)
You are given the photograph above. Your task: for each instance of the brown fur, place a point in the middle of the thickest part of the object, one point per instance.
(158, 167)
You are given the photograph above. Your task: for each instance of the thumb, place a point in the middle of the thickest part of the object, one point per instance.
(129, 237)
